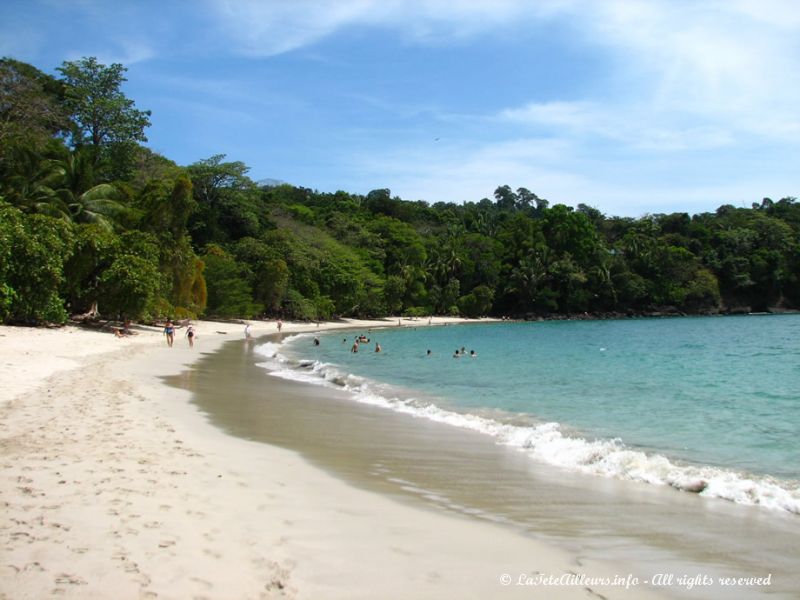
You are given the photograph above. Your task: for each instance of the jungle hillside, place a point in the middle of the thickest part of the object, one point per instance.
(94, 222)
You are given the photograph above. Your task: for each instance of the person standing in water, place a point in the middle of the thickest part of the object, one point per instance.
(280, 325)
(377, 347)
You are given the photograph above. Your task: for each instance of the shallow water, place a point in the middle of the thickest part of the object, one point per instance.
(689, 402)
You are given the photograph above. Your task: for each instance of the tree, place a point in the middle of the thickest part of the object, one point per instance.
(132, 284)
(229, 291)
(506, 198)
(129, 286)
(93, 251)
(29, 182)
(478, 302)
(211, 177)
(225, 196)
(103, 117)
(30, 109)
(167, 205)
(34, 249)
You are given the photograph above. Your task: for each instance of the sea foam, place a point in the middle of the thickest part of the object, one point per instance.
(546, 441)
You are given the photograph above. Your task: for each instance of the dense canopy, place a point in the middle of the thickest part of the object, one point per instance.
(92, 220)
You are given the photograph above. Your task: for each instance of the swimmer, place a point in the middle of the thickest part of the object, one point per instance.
(354, 349)
(377, 347)
(456, 354)
(316, 341)
(472, 354)
(429, 352)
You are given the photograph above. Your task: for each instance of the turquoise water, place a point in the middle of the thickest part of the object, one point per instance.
(709, 404)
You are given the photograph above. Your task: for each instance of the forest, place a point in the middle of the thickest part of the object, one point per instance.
(94, 222)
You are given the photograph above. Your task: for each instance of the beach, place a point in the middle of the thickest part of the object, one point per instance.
(115, 486)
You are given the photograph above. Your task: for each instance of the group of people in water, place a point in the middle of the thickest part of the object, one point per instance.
(361, 339)
(463, 352)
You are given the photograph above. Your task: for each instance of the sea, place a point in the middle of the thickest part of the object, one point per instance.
(706, 405)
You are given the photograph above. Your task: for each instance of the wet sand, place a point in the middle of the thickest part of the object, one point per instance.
(649, 530)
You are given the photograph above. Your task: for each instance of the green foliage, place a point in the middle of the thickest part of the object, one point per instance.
(477, 303)
(106, 221)
(133, 283)
(229, 291)
(167, 205)
(102, 114)
(32, 266)
(227, 202)
(129, 286)
(299, 307)
(394, 289)
(31, 111)
(94, 249)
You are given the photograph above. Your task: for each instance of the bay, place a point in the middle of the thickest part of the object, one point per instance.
(699, 403)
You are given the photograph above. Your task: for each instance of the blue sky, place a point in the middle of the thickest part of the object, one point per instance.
(631, 106)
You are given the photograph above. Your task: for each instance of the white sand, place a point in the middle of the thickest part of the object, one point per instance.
(113, 486)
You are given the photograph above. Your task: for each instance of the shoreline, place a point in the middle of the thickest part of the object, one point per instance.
(687, 475)
(378, 449)
(114, 485)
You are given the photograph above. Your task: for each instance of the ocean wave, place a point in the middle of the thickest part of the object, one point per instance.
(547, 442)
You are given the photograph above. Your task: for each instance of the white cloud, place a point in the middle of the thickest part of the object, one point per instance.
(726, 62)
(268, 28)
(574, 116)
(717, 60)
(633, 127)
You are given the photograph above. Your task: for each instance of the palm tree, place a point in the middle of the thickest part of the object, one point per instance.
(87, 202)
(530, 276)
(29, 182)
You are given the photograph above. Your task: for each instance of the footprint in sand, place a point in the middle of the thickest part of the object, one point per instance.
(206, 584)
(70, 579)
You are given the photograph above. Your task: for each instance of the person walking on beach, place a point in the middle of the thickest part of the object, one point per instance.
(247, 331)
(169, 331)
(190, 336)
(280, 325)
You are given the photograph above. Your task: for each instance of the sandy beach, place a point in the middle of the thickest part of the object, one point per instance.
(115, 486)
